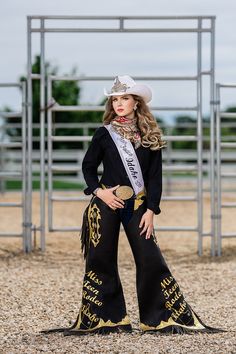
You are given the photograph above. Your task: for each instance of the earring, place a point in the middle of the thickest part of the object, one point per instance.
(135, 107)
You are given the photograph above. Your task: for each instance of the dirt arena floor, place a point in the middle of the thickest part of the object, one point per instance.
(39, 291)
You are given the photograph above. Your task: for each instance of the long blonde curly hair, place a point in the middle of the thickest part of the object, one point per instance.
(150, 131)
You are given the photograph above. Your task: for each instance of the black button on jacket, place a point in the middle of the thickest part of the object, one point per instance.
(103, 149)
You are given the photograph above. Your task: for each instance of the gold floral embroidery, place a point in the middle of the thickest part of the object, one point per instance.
(90, 320)
(94, 217)
(171, 322)
(139, 200)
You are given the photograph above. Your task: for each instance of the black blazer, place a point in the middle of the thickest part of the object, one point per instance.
(103, 149)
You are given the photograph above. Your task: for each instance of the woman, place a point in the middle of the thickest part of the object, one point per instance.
(129, 192)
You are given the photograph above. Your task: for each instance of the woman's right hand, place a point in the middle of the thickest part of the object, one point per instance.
(108, 197)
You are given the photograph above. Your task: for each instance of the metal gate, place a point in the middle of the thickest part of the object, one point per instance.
(10, 174)
(202, 24)
(221, 172)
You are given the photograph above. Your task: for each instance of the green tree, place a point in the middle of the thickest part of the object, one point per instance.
(229, 128)
(184, 125)
(187, 125)
(64, 93)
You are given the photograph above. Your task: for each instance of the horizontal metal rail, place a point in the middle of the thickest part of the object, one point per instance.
(180, 167)
(110, 78)
(228, 205)
(10, 145)
(74, 168)
(64, 229)
(17, 205)
(89, 138)
(228, 235)
(228, 115)
(89, 125)
(227, 156)
(7, 234)
(227, 85)
(180, 198)
(68, 168)
(11, 115)
(228, 145)
(71, 138)
(164, 198)
(59, 108)
(157, 228)
(96, 17)
(176, 228)
(70, 199)
(121, 30)
(206, 234)
(9, 174)
(10, 84)
(228, 174)
(180, 138)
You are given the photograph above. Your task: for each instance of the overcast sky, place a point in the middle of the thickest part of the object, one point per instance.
(112, 54)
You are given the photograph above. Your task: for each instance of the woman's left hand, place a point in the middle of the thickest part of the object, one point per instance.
(147, 223)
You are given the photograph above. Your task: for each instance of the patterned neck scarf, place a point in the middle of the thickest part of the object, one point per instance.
(128, 129)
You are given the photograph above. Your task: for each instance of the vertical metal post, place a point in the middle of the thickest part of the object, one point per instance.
(85, 143)
(49, 150)
(2, 154)
(23, 166)
(42, 136)
(212, 136)
(28, 243)
(168, 162)
(218, 170)
(199, 138)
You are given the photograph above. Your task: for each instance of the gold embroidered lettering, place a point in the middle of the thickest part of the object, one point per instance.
(92, 275)
(176, 313)
(94, 299)
(85, 309)
(90, 287)
(165, 282)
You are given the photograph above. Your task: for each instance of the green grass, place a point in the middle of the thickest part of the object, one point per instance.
(16, 185)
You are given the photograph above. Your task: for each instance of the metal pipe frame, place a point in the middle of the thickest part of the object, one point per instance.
(42, 135)
(22, 174)
(71, 17)
(50, 162)
(219, 174)
(101, 108)
(121, 22)
(199, 142)
(212, 139)
(29, 141)
(24, 164)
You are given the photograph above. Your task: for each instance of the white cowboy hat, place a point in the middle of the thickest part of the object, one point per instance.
(126, 85)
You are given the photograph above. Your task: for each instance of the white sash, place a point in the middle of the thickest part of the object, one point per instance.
(129, 159)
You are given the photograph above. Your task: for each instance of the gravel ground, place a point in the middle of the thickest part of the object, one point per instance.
(39, 291)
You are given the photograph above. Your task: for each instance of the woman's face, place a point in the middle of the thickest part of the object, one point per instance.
(124, 105)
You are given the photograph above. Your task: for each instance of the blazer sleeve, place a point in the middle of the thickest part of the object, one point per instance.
(154, 186)
(91, 161)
